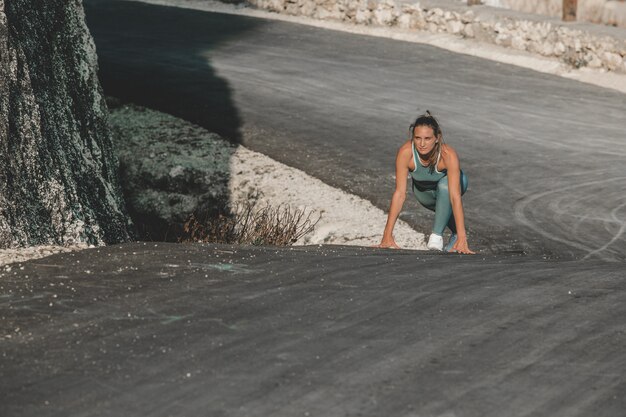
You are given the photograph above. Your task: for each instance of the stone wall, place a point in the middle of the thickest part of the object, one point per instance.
(551, 38)
(607, 12)
(58, 173)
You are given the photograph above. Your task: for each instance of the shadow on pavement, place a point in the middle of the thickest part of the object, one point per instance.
(160, 57)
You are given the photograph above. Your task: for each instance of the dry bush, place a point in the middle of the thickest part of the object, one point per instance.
(245, 224)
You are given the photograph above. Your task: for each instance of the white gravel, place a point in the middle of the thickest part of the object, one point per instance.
(14, 255)
(345, 218)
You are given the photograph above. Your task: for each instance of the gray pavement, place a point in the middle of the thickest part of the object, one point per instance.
(546, 156)
(187, 329)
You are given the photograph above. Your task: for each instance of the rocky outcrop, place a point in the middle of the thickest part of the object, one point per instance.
(551, 38)
(58, 173)
(168, 170)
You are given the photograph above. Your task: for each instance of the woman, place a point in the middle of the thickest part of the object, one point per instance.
(437, 182)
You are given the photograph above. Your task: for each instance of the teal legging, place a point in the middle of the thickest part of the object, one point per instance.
(438, 200)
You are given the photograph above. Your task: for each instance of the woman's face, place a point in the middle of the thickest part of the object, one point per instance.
(424, 139)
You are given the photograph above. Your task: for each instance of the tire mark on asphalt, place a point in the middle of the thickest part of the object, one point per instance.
(520, 208)
(619, 233)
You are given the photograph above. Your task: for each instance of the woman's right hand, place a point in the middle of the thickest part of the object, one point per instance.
(403, 159)
(387, 243)
(461, 246)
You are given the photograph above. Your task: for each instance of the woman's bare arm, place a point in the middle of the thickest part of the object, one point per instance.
(397, 200)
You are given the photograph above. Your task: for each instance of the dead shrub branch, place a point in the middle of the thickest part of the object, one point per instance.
(246, 224)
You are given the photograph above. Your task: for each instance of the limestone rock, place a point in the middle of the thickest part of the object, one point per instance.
(324, 13)
(613, 61)
(292, 9)
(438, 12)
(412, 21)
(593, 61)
(384, 17)
(274, 5)
(559, 49)
(467, 17)
(363, 16)
(454, 26)
(504, 39)
(307, 8)
(350, 11)
(468, 31)
(167, 172)
(404, 21)
(518, 42)
(58, 173)
(546, 49)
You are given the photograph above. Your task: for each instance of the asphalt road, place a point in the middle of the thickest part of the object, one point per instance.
(153, 329)
(194, 330)
(545, 156)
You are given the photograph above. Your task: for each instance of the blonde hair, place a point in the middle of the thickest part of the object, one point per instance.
(427, 119)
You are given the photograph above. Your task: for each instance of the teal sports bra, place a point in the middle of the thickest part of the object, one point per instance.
(423, 179)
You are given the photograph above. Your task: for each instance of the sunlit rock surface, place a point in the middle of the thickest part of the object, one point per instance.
(58, 181)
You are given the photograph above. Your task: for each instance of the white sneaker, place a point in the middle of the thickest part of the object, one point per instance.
(435, 242)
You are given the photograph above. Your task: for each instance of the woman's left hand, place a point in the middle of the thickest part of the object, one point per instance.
(460, 246)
